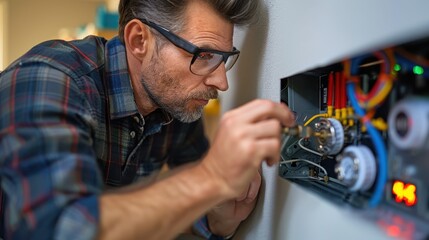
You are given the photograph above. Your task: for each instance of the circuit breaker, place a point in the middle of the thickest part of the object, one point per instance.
(362, 135)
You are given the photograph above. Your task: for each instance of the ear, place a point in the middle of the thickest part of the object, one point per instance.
(138, 39)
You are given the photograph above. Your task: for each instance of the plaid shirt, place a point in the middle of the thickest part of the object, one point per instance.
(69, 126)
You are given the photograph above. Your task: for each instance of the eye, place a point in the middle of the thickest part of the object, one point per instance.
(205, 56)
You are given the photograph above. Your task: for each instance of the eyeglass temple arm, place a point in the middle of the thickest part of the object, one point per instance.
(176, 40)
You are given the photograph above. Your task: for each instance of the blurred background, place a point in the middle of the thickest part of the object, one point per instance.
(24, 23)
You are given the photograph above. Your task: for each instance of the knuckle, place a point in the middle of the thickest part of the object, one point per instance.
(277, 144)
(226, 116)
(269, 105)
(227, 120)
(259, 101)
(238, 134)
(250, 147)
(275, 125)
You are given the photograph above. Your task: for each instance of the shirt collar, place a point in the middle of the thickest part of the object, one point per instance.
(119, 89)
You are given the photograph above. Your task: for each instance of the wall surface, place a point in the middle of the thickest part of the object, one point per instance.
(33, 21)
(292, 36)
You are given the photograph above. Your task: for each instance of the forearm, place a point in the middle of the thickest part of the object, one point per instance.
(162, 210)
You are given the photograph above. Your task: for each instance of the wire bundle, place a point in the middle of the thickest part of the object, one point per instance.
(382, 87)
(364, 106)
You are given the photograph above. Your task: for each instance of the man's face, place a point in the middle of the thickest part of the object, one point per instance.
(167, 79)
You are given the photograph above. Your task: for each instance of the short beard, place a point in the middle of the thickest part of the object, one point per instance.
(177, 106)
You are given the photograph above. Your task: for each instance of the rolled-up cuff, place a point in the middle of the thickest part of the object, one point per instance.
(200, 227)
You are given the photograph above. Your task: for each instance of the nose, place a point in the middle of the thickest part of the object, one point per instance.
(218, 78)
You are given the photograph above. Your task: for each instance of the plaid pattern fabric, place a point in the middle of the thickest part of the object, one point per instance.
(200, 227)
(69, 126)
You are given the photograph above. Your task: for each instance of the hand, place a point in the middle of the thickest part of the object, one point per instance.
(246, 136)
(224, 219)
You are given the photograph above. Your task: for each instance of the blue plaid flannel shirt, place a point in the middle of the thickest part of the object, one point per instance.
(69, 127)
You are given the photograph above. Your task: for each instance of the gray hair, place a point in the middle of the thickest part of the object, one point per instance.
(170, 13)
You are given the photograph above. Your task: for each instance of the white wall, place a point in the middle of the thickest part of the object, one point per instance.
(292, 36)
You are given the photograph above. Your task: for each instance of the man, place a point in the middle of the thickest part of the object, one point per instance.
(81, 120)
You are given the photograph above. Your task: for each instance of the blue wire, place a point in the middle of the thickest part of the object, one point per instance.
(380, 148)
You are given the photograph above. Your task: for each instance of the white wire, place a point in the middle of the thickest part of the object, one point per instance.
(311, 178)
(284, 161)
(284, 141)
(308, 149)
(305, 160)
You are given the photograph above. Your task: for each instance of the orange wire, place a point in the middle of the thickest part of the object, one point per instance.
(368, 116)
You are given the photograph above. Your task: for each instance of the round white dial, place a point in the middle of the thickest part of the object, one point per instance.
(356, 168)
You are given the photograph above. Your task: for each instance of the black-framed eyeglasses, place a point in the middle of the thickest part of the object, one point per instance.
(204, 61)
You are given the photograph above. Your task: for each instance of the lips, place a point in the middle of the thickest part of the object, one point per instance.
(202, 101)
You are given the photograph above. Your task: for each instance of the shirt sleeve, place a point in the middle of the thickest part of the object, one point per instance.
(48, 168)
(200, 228)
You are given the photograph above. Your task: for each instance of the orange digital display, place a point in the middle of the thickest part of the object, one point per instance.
(404, 193)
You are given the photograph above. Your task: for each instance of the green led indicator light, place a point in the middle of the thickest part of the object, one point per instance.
(397, 67)
(418, 70)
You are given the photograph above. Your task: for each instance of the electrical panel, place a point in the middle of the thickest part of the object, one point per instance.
(362, 135)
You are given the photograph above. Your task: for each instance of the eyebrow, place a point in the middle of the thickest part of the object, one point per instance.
(208, 46)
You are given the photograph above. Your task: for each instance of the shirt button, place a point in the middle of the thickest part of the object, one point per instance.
(137, 119)
(133, 134)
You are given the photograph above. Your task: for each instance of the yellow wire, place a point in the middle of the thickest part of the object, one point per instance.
(350, 113)
(344, 115)
(380, 124)
(377, 99)
(330, 111)
(337, 114)
(314, 117)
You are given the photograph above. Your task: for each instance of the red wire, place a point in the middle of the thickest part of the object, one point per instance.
(337, 97)
(344, 92)
(330, 89)
(366, 97)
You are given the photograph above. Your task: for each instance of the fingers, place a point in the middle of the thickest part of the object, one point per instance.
(260, 110)
(268, 142)
(254, 187)
(246, 137)
(265, 129)
(252, 191)
(243, 195)
(269, 150)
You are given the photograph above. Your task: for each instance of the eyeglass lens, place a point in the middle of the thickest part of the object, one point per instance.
(207, 62)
